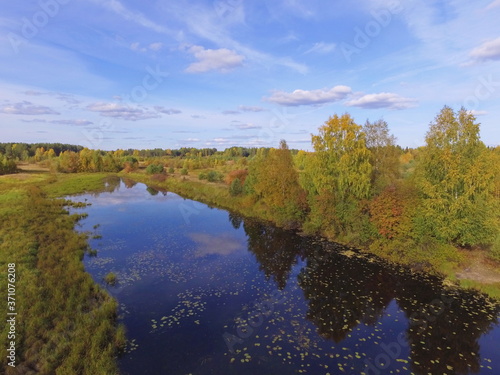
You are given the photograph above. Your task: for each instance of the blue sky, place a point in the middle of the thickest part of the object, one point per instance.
(114, 74)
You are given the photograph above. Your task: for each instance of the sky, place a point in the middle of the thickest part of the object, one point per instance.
(109, 74)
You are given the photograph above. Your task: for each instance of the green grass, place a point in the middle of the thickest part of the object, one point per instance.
(493, 290)
(66, 323)
(110, 278)
(68, 184)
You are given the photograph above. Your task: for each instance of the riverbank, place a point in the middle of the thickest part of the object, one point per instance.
(461, 267)
(66, 324)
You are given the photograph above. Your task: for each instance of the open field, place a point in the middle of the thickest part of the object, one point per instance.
(65, 323)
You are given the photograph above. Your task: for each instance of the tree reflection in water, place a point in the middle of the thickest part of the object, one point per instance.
(345, 288)
(275, 249)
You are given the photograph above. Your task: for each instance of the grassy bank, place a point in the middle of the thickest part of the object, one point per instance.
(446, 260)
(65, 323)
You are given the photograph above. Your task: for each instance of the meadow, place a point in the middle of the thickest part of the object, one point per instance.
(66, 324)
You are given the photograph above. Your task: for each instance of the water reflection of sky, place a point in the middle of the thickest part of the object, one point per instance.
(189, 274)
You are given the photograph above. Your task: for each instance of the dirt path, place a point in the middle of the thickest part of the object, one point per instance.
(479, 268)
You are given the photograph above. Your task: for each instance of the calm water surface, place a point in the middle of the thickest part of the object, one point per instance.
(202, 291)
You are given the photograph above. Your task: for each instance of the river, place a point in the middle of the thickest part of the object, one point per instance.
(204, 291)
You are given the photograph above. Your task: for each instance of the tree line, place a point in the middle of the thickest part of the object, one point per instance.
(357, 186)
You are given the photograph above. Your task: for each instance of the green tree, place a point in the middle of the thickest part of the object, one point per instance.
(39, 154)
(456, 175)
(154, 168)
(50, 154)
(130, 163)
(68, 162)
(340, 174)
(275, 180)
(110, 164)
(384, 155)
(214, 176)
(236, 188)
(7, 165)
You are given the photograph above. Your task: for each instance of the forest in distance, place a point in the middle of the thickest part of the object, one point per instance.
(357, 187)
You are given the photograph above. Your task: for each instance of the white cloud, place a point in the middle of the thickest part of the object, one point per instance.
(230, 112)
(167, 111)
(136, 46)
(382, 100)
(247, 108)
(207, 24)
(189, 140)
(313, 97)
(134, 16)
(123, 112)
(221, 140)
(221, 60)
(219, 245)
(156, 46)
(247, 126)
(68, 98)
(34, 93)
(321, 48)
(298, 8)
(489, 50)
(27, 108)
(72, 122)
(478, 113)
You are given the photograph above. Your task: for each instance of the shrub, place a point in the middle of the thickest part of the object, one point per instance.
(495, 249)
(110, 278)
(202, 176)
(171, 170)
(7, 165)
(240, 174)
(184, 171)
(236, 188)
(154, 169)
(130, 164)
(214, 176)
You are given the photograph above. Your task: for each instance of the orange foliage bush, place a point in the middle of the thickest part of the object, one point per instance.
(239, 173)
(391, 211)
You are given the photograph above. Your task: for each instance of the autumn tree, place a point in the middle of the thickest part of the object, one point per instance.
(39, 154)
(68, 162)
(50, 154)
(275, 181)
(340, 175)
(110, 164)
(384, 155)
(456, 180)
(236, 187)
(7, 165)
(240, 174)
(90, 161)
